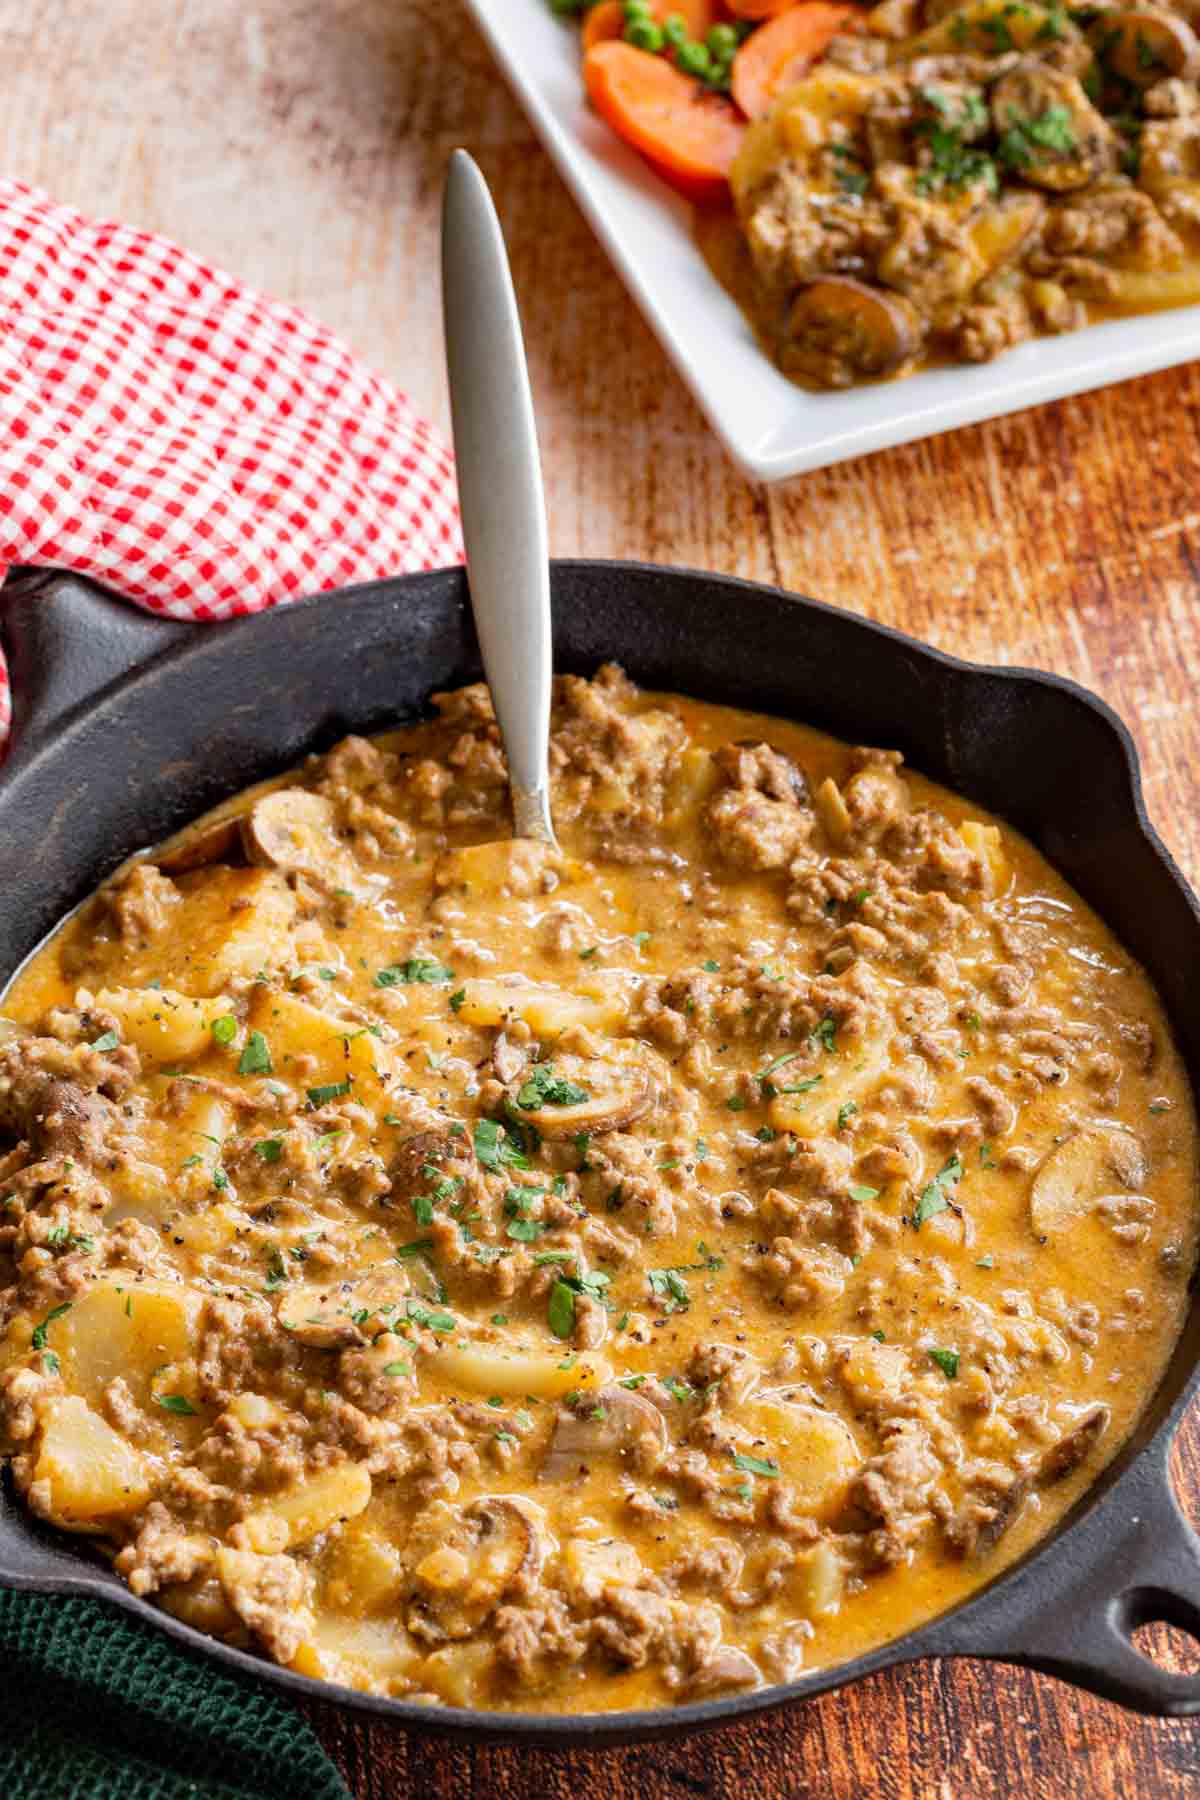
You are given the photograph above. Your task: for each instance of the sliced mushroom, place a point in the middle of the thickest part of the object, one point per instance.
(320, 1317)
(1050, 133)
(295, 831)
(1075, 1446)
(469, 1558)
(979, 1524)
(345, 1313)
(726, 1667)
(199, 847)
(1143, 47)
(614, 1421)
(839, 330)
(1079, 1171)
(615, 1094)
(508, 1059)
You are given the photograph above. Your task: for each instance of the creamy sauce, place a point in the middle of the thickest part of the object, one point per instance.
(332, 1318)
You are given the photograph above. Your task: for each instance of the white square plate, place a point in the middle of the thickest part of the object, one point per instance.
(771, 428)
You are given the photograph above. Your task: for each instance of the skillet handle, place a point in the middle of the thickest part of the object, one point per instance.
(65, 640)
(1133, 1560)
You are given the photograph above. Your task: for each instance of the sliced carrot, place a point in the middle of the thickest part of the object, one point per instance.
(759, 9)
(690, 136)
(603, 22)
(608, 19)
(781, 52)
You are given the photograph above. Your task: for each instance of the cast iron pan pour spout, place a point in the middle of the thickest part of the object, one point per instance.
(128, 727)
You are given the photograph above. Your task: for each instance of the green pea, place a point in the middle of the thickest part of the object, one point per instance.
(674, 29)
(644, 34)
(722, 41)
(693, 59)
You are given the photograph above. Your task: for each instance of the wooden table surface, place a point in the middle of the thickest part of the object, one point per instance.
(300, 143)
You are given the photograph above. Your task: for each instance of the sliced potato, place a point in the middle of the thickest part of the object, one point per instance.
(232, 924)
(125, 1327)
(366, 1572)
(375, 1654)
(299, 1513)
(848, 1075)
(818, 1580)
(986, 842)
(548, 1011)
(90, 1475)
(816, 1452)
(164, 1025)
(493, 1369)
(333, 1051)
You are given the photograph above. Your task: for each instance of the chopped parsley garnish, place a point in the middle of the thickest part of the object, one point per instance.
(544, 1088)
(1020, 142)
(682, 1391)
(177, 1403)
(560, 1312)
(641, 938)
(952, 164)
(270, 1149)
(754, 1465)
(496, 1149)
(986, 1262)
(986, 1158)
(711, 965)
(51, 1364)
(735, 1103)
(38, 1340)
(422, 1209)
(435, 1321)
(421, 969)
(224, 1030)
(863, 1194)
(256, 1056)
(397, 1368)
(276, 1269)
(935, 1198)
(766, 1134)
(417, 1247)
(527, 1231)
(108, 1041)
(333, 1090)
(845, 1113)
(631, 1381)
(457, 999)
(947, 1361)
(669, 1287)
(62, 1238)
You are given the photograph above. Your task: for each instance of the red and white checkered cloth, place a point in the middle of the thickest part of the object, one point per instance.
(200, 449)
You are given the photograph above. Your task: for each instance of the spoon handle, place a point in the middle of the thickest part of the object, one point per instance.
(499, 485)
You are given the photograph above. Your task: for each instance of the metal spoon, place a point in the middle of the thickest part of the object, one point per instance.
(499, 486)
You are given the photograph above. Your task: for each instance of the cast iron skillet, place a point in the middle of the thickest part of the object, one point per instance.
(129, 728)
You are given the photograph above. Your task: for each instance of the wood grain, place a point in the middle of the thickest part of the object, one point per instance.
(300, 143)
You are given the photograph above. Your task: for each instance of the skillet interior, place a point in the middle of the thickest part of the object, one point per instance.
(231, 704)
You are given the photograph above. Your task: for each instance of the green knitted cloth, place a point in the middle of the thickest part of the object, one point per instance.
(94, 1704)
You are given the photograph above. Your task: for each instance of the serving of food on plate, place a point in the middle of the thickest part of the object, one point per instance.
(920, 183)
(583, 1279)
